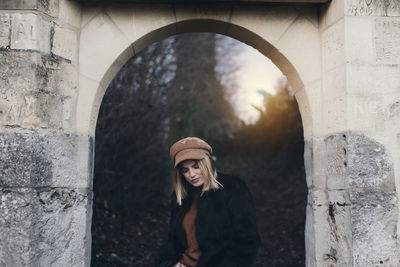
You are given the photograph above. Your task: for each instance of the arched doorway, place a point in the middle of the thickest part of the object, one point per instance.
(109, 38)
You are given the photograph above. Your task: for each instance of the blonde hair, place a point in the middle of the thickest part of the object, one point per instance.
(209, 171)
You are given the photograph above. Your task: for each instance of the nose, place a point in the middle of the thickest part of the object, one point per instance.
(191, 172)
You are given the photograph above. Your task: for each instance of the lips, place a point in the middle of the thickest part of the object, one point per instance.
(195, 180)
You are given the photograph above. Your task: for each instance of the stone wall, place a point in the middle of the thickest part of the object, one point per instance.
(352, 210)
(353, 161)
(45, 185)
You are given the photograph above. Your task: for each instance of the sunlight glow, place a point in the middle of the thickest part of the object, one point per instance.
(257, 72)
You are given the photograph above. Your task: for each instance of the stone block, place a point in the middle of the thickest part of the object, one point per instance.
(372, 79)
(305, 111)
(302, 36)
(387, 40)
(65, 43)
(40, 158)
(88, 104)
(334, 113)
(372, 8)
(102, 37)
(374, 228)
(355, 162)
(5, 29)
(309, 12)
(260, 19)
(333, 46)
(368, 164)
(144, 24)
(30, 32)
(49, 7)
(314, 94)
(359, 40)
(69, 103)
(334, 83)
(339, 220)
(308, 161)
(200, 18)
(70, 13)
(88, 12)
(15, 225)
(391, 112)
(315, 162)
(24, 71)
(366, 112)
(328, 228)
(31, 110)
(336, 161)
(330, 13)
(45, 227)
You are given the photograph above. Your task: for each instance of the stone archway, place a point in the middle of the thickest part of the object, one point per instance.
(280, 37)
(117, 40)
(58, 56)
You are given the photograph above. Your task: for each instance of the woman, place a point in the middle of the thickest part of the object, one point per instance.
(213, 220)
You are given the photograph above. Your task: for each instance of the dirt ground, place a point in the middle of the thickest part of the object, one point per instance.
(280, 200)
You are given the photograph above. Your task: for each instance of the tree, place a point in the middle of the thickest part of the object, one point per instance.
(132, 130)
(196, 100)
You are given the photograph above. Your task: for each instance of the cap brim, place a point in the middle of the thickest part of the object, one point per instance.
(190, 154)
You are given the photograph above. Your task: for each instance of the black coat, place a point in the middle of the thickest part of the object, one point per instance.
(226, 228)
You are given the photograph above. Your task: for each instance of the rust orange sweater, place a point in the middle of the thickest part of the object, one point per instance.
(192, 253)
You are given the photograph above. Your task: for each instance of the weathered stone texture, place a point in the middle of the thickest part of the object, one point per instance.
(387, 40)
(45, 227)
(348, 161)
(373, 7)
(30, 32)
(315, 163)
(70, 13)
(30, 71)
(40, 158)
(36, 90)
(49, 7)
(5, 29)
(333, 46)
(328, 228)
(374, 217)
(352, 219)
(336, 161)
(65, 43)
(31, 109)
(369, 166)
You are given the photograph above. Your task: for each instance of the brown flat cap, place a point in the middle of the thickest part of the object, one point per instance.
(189, 148)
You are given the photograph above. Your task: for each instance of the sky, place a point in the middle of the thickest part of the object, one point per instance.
(255, 72)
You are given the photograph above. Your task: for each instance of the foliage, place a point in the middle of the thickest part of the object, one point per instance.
(130, 161)
(196, 102)
(275, 140)
(160, 96)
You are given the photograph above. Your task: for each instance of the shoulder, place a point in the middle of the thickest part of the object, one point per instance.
(231, 183)
(236, 193)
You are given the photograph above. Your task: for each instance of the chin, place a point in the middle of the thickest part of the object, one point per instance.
(197, 184)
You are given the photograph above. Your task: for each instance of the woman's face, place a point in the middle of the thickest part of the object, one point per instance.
(191, 171)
